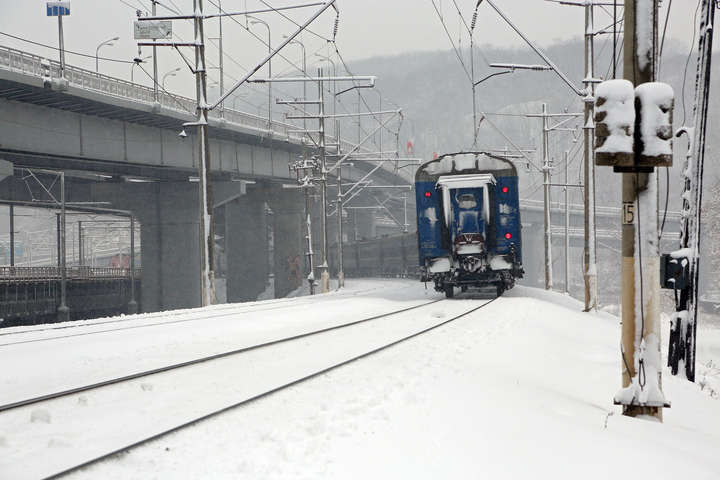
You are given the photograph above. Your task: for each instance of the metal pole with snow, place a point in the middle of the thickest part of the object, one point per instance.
(203, 109)
(587, 94)
(634, 135)
(686, 261)
(547, 172)
(547, 182)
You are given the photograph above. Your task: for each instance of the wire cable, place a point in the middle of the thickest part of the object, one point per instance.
(662, 43)
(687, 62)
(67, 52)
(459, 56)
(282, 14)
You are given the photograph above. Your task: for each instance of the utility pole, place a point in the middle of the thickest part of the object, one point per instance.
(257, 21)
(61, 44)
(12, 235)
(63, 312)
(132, 305)
(638, 192)
(206, 222)
(203, 109)
(222, 57)
(588, 95)
(547, 171)
(683, 332)
(636, 115)
(405, 212)
(324, 273)
(81, 255)
(590, 239)
(341, 273)
(156, 96)
(547, 182)
(567, 225)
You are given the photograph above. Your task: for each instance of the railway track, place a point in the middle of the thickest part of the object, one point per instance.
(170, 318)
(196, 361)
(430, 323)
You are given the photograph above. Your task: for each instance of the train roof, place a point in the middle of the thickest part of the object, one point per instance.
(465, 163)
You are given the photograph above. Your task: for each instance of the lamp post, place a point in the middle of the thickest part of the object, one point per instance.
(257, 21)
(221, 53)
(97, 51)
(171, 73)
(341, 273)
(336, 124)
(304, 66)
(137, 61)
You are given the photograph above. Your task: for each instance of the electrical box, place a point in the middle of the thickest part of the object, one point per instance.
(654, 104)
(633, 131)
(615, 124)
(674, 272)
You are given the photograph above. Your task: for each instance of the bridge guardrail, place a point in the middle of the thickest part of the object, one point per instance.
(28, 63)
(73, 273)
(41, 67)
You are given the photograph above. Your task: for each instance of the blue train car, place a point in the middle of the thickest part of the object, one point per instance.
(468, 217)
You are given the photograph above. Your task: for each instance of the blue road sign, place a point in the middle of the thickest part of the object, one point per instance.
(58, 9)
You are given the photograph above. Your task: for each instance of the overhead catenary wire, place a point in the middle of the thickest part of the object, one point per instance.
(452, 42)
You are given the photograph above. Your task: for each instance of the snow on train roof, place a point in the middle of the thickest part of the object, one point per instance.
(465, 162)
(466, 181)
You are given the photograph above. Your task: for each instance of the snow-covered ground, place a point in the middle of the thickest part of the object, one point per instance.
(520, 389)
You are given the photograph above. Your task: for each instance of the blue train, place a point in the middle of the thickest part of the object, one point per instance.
(468, 217)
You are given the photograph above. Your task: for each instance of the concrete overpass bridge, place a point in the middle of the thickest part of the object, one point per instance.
(119, 147)
(608, 222)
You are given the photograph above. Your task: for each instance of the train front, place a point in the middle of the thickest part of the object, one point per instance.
(469, 222)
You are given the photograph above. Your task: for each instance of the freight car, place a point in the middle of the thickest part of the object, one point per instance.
(468, 216)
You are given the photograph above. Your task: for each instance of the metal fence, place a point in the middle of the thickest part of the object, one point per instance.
(19, 274)
(35, 65)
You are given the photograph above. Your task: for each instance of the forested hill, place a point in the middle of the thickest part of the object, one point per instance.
(434, 92)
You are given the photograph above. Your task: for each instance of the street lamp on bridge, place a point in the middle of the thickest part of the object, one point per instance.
(171, 73)
(108, 43)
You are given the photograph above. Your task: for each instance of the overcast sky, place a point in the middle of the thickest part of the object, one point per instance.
(367, 28)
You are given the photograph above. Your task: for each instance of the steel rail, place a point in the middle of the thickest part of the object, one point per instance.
(270, 392)
(188, 363)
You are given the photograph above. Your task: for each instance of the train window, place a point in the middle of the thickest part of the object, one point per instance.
(467, 200)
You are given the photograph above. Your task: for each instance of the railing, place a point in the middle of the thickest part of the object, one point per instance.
(73, 273)
(35, 65)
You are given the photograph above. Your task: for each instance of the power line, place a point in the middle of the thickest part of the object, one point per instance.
(282, 14)
(447, 32)
(70, 52)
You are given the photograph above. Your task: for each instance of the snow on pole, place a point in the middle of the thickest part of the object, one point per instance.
(681, 355)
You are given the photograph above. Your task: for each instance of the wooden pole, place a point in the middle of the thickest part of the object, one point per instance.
(640, 268)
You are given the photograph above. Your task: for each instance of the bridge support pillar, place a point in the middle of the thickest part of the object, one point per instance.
(168, 215)
(246, 248)
(288, 210)
(365, 224)
(533, 259)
